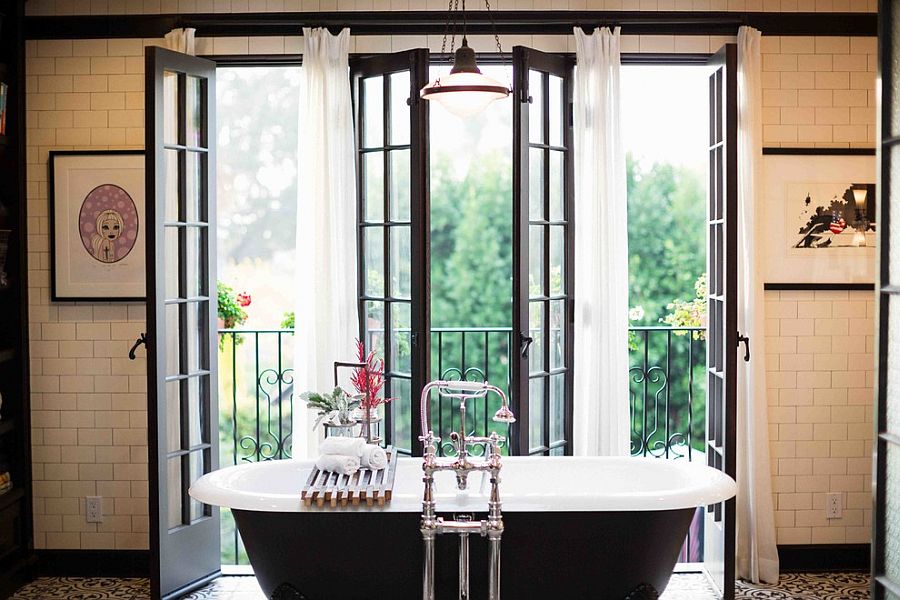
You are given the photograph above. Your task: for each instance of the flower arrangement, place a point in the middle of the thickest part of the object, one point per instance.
(369, 380)
(231, 305)
(334, 407)
(691, 313)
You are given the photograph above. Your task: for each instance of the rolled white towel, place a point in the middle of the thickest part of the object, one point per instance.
(336, 463)
(373, 457)
(344, 446)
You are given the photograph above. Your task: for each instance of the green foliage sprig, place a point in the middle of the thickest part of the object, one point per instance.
(691, 313)
(330, 405)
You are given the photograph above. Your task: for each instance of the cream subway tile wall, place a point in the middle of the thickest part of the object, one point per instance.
(131, 7)
(820, 368)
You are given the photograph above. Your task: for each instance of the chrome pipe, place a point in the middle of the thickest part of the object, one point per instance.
(464, 558)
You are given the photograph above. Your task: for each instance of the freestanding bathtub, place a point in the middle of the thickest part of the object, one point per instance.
(575, 528)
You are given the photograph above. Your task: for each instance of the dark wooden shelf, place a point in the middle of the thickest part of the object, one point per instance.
(13, 495)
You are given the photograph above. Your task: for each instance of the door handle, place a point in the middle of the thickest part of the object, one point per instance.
(746, 342)
(525, 342)
(140, 341)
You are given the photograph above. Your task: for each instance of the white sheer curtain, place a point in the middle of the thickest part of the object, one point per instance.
(181, 40)
(601, 250)
(325, 317)
(757, 554)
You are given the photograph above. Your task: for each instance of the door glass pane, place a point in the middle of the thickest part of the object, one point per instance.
(173, 356)
(556, 185)
(193, 111)
(197, 392)
(400, 262)
(193, 185)
(892, 408)
(536, 184)
(536, 331)
(373, 113)
(402, 412)
(171, 189)
(557, 407)
(172, 262)
(536, 108)
(373, 180)
(401, 339)
(892, 511)
(197, 462)
(173, 488)
(195, 257)
(536, 410)
(170, 105)
(557, 259)
(373, 238)
(557, 333)
(400, 90)
(536, 261)
(556, 111)
(196, 339)
(894, 265)
(375, 327)
(173, 416)
(400, 181)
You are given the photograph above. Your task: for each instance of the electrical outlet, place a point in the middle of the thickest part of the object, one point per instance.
(833, 506)
(93, 509)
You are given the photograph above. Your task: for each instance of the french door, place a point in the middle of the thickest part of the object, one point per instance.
(393, 230)
(886, 530)
(181, 318)
(722, 336)
(543, 251)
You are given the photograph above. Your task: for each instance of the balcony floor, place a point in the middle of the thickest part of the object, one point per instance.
(793, 586)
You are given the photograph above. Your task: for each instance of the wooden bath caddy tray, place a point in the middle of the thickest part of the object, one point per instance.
(366, 485)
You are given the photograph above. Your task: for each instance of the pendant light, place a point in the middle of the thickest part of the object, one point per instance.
(465, 91)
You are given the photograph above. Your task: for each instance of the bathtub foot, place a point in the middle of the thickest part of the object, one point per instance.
(287, 592)
(643, 592)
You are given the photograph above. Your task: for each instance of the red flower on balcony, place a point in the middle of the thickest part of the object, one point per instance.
(243, 299)
(369, 380)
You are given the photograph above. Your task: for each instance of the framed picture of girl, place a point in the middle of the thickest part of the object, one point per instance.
(97, 229)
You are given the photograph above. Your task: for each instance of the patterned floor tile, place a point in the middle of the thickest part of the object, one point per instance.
(688, 586)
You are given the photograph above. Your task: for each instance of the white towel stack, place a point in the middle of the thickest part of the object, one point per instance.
(345, 455)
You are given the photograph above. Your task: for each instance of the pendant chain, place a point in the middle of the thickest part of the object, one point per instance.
(450, 28)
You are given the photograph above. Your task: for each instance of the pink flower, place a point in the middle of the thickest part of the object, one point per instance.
(243, 299)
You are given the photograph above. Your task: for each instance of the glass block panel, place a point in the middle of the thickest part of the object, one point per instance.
(173, 468)
(402, 413)
(401, 340)
(557, 110)
(401, 260)
(894, 231)
(557, 407)
(892, 512)
(536, 411)
(194, 183)
(170, 107)
(557, 191)
(536, 332)
(196, 338)
(195, 260)
(536, 261)
(375, 327)
(373, 241)
(400, 185)
(172, 263)
(892, 408)
(193, 112)
(172, 203)
(373, 112)
(536, 108)
(373, 179)
(197, 391)
(173, 416)
(173, 354)
(400, 90)
(198, 468)
(557, 259)
(536, 184)
(557, 334)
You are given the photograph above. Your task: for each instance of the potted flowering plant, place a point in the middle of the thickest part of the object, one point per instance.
(369, 380)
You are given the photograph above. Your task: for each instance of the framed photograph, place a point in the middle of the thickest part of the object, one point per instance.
(4, 93)
(819, 219)
(97, 228)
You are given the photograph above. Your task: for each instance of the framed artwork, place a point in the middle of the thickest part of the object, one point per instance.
(97, 228)
(4, 93)
(819, 219)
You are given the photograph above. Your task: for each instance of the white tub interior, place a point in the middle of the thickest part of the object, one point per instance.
(528, 484)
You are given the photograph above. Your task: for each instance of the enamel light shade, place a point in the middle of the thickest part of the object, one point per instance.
(466, 91)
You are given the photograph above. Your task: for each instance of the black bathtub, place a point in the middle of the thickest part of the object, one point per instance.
(593, 528)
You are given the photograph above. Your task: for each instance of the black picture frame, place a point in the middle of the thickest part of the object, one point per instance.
(55, 294)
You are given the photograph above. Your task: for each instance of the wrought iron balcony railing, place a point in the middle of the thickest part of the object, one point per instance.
(256, 392)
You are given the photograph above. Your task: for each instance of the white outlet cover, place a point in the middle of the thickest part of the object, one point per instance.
(93, 509)
(834, 506)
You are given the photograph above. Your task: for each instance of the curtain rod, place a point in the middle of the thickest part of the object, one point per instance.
(508, 22)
